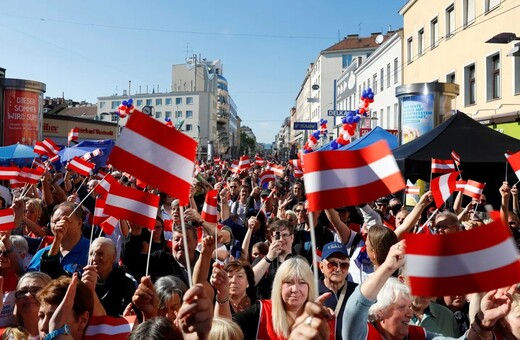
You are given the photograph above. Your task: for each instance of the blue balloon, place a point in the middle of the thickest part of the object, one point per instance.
(316, 134)
(125, 103)
(344, 120)
(357, 112)
(350, 120)
(333, 145)
(370, 96)
(369, 90)
(357, 118)
(364, 94)
(130, 101)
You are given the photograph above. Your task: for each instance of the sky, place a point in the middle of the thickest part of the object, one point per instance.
(88, 49)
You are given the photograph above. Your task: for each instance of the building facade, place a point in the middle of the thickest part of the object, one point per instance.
(451, 41)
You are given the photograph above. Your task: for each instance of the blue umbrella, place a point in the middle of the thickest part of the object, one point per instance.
(18, 154)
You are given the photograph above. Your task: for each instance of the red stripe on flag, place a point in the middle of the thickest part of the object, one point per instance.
(473, 189)
(442, 166)
(209, 210)
(442, 187)
(514, 161)
(81, 166)
(7, 219)
(109, 225)
(99, 214)
(9, 172)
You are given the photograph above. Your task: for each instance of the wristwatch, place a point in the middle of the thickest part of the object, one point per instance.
(60, 331)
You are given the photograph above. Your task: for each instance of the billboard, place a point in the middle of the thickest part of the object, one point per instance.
(22, 117)
(417, 116)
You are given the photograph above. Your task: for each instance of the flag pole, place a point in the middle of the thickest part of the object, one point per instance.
(90, 244)
(83, 182)
(149, 251)
(460, 174)
(505, 180)
(428, 220)
(314, 254)
(86, 196)
(185, 241)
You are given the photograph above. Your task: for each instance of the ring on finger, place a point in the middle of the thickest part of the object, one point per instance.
(308, 321)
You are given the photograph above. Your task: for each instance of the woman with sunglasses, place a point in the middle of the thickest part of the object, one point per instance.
(26, 304)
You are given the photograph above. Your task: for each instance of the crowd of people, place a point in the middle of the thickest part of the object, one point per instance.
(248, 276)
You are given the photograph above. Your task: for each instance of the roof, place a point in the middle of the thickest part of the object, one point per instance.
(88, 112)
(354, 42)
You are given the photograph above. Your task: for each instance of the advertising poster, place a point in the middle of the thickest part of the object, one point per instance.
(21, 117)
(417, 116)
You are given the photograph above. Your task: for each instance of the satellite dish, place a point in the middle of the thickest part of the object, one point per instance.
(379, 39)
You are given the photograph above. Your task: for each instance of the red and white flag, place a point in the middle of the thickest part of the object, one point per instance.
(99, 212)
(87, 156)
(350, 177)
(442, 166)
(296, 163)
(6, 219)
(514, 161)
(47, 147)
(13, 184)
(73, 135)
(138, 206)
(277, 169)
(298, 173)
(81, 166)
(259, 160)
(104, 185)
(97, 152)
(109, 327)
(412, 190)
(216, 160)
(209, 209)
(109, 225)
(442, 187)
(156, 154)
(265, 177)
(455, 156)
(234, 167)
(168, 225)
(460, 185)
(244, 163)
(54, 158)
(9, 172)
(30, 176)
(476, 260)
(474, 189)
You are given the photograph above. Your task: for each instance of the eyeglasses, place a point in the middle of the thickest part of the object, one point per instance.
(4, 253)
(233, 186)
(342, 265)
(20, 294)
(284, 236)
(441, 225)
(299, 210)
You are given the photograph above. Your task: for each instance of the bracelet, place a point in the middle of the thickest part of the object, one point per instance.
(222, 302)
(478, 321)
(65, 330)
(267, 259)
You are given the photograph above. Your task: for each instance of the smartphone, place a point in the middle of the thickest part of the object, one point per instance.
(277, 235)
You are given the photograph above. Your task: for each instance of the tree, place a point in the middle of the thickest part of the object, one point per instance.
(247, 144)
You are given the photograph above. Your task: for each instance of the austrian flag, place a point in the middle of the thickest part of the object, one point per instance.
(474, 189)
(6, 219)
(81, 166)
(351, 177)
(209, 210)
(514, 161)
(442, 187)
(442, 166)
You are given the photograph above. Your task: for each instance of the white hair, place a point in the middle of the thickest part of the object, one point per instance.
(389, 294)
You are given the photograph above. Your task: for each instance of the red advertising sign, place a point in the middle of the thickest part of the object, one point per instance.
(364, 131)
(21, 117)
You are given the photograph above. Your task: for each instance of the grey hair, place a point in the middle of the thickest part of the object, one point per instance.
(166, 286)
(19, 242)
(389, 294)
(34, 275)
(104, 240)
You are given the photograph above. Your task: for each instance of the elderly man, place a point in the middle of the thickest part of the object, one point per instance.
(446, 222)
(334, 266)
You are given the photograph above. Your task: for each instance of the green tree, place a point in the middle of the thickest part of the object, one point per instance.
(247, 144)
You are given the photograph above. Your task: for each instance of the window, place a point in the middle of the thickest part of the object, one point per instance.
(189, 100)
(374, 77)
(102, 105)
(409, 50)
(468, 8)
(420, 41)
(382, 82)
(491, 4)
(158, 101)
(189, 114)
(434, 28)
(396, 70)
(346, 60)
(517, 74)
(168, 114)
(189, 127)
(178, 101)
(382, 121)
(450, 21)
(450, 78)
(115, 117)
(388, 117)
(368, 83)
(168, 101)
(115, 104)
(148, 102)
(396, 116)
(158, 114)
(470, 86)
(139, 102)
(178, 114)
(388, 75)
(493, 77)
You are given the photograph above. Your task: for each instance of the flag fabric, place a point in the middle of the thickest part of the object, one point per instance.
(109, 327)
(97, 152)
(265, 177)
(296, 163)
(209, 209)
(455, 156)
(508, 154)
(234, 167)
(9, 172)
(14, 183)
(156, 154)
(350, 177)
(87, 156)
(54, 158)
(7, 219)
(104, 185)
(30, 176)
(514, 161)
(277, 169)
(216, 159)
(244, 163)
(168, 225)
(442, 166)
(99, 214)
(259, 160)
(47, 147)
(73, 135)
(131, 204)
(476, 260)
(81, 166)
(412, 190)
(460, 185)
(473, 189)
(442, 187)
(109, 225)
(298, 173)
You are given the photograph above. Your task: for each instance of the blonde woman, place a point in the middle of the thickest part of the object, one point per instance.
(225, 329)
(292, 288)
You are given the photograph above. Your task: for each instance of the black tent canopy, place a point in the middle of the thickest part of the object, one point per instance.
(480, 148)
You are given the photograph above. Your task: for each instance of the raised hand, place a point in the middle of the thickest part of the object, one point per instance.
(146, 299)
(196, 314)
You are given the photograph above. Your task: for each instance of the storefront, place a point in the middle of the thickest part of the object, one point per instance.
(58, 127)
(506, 123)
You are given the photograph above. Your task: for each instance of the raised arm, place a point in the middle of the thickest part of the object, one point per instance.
(342, 229)
(203, 264)
(411, 220)
(505, 192)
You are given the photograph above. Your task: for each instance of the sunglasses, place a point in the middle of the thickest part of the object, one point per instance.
(20, 294)
(342, 265)
(4, 253)
(299, 210)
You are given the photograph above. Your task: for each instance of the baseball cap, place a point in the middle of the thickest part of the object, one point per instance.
(333, 247)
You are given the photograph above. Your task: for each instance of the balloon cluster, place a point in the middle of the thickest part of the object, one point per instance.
(314, 138)
(168, 121)
(350, 121)
(126, 108)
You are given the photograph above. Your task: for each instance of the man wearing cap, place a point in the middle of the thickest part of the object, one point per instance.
(334, 266)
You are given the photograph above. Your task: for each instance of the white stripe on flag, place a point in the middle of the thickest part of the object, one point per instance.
(138, 207)
(444, 187)
(354, 177)
(210, 209)
(162, 157)
(503, 254)
(6, 219)
(80, 166)
(443, 166)
(473, 189)
(108, 329)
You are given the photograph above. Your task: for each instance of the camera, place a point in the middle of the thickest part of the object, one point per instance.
(277, 235)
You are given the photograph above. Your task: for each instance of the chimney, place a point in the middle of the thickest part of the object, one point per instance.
(352, 36)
